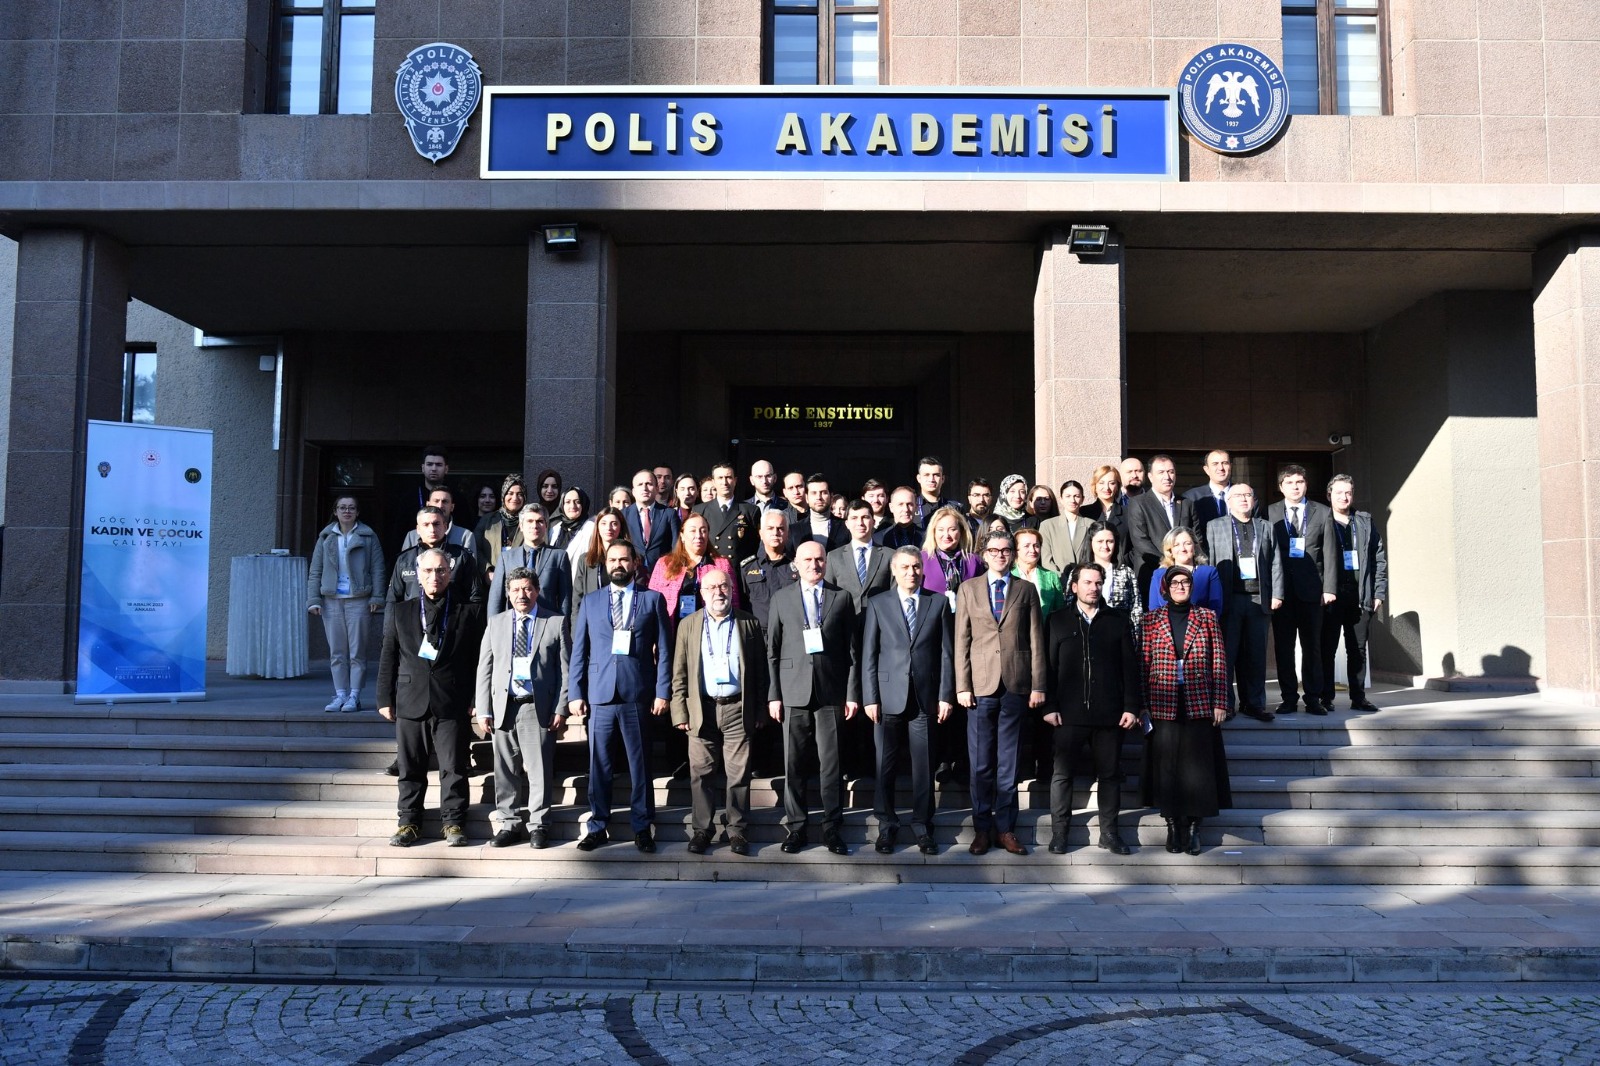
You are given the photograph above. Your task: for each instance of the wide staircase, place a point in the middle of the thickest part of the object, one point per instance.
(1431, 789)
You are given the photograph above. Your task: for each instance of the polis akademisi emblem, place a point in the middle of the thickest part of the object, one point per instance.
(437, 88)
(1234, 99)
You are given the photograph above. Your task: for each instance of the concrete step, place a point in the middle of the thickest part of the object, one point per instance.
(1236, 827)
(1285, 865)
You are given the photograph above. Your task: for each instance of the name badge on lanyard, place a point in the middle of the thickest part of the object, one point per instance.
(1351, 561)
(721, 665)
(1247, 567)
(1297, 547)
(686, 605)
(522, 668)
(813, 641)
(427, 650)
(343, 587)
(622, 639)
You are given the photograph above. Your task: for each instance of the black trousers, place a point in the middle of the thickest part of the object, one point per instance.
(1298, 619)
(1345, 617)
(808, 729)
(905, 736)
(448, 738)
(1105, 748)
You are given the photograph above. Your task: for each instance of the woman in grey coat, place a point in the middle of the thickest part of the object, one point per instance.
(344, 587)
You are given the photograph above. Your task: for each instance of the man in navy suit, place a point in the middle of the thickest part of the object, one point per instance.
(621, 664)
(1211, 499)
(907, 675)
(651, 525)
(427, 677)
(817, 522)
(1308, 549)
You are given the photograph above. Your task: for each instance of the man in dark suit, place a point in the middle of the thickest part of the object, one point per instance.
(1246, 559)
(1093, 700)
(732, 524)
(621, 666)
(1000, 678)
(1153, 513)
(907, 679)
(1211, 499)
(814, 687)
(522, 706)
(719, 680)
(1302, 529)
(426, 682)
(860, 567)
(1362, 566)
(817, 523)
(652, 526)
(552, 566)
(904, 532)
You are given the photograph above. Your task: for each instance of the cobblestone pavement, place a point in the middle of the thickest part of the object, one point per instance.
(131, 1024)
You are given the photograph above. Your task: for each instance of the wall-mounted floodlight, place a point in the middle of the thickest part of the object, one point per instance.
(1088, 240)
(562, 237)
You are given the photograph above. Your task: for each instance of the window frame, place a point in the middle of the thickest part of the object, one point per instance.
(827, 26)
(332, 13)
(1328, 12)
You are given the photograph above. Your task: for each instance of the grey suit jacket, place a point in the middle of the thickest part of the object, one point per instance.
(1372, 558)
(1219, 535)
(550, 649)
(894, 662)
(1057, 551)
(842, 572)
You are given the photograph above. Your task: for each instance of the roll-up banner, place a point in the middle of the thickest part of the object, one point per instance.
(146, 552)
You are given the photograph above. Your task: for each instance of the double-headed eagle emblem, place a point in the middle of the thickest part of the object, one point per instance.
(1234, 86)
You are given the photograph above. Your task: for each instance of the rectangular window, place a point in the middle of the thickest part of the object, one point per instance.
(823, 42)
(323, 57)
(1333, 56)
(139, 384)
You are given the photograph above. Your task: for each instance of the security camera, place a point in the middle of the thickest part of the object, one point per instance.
(1336, 438)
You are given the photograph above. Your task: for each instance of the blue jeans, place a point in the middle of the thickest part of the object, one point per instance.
(994, 743)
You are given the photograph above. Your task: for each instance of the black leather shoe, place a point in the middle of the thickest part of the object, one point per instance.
(885, 843)
(1287, 707)
(593, 840)
(538, 838)
(1193, 843)
(926, 845)
(1317, 708)
(393, 769)
(1363, 705)
(1112, 842)
(645, 842)
(1172, 836)
(1257, 713)
(793, 843)
(835, 843)
(1058, 843)
(699, 842)
(505, 838)
(738, 844)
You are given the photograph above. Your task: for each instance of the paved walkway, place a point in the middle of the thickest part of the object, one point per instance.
(664, 931)
(254, 1025)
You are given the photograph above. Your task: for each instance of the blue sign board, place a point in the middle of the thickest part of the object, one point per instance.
(830, 132)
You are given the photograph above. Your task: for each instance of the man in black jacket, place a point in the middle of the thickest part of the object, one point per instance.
(427, 677)
(1093, 698)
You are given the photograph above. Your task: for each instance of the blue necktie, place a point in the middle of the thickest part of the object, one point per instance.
(911, 615)
(861, 566)
(999, 588)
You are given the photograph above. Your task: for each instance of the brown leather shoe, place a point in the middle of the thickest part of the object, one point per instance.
(980, 843)
(1010, 842)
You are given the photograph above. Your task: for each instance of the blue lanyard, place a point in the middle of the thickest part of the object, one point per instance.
(422, 615)
(727, 651)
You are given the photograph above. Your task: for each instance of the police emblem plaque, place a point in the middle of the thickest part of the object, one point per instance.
(1234, 99)
(437, 89)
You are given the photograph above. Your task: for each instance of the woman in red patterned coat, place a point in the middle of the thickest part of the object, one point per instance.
(1185, 669)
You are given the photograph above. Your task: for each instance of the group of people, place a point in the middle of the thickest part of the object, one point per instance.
(864, 633)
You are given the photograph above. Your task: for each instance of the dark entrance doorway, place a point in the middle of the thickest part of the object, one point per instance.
(847, 433)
